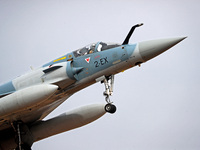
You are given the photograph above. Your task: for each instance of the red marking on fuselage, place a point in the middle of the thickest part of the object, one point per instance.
(97, 57)
(87, 60)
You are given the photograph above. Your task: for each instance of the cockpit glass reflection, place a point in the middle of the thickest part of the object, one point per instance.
(94, 47)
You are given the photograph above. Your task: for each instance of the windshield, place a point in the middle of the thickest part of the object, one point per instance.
(104, 46)
(94, 47)
(85, 50)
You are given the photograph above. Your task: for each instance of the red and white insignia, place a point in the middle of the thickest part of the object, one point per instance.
(87, 60)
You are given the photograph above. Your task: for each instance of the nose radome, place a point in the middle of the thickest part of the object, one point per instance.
(151, 49)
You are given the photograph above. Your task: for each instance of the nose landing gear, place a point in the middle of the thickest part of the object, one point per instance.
(109, 82)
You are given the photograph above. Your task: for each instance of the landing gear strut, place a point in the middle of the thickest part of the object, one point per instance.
(24, 138)
(109, 82)
(19, 140)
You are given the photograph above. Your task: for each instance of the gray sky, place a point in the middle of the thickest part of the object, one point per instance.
(158, 104)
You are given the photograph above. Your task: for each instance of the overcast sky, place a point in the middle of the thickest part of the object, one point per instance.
(158, 104)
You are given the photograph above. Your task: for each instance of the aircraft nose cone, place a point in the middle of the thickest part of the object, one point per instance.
(151, 49)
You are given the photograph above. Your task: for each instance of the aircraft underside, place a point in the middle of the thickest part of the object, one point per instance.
(28, 99)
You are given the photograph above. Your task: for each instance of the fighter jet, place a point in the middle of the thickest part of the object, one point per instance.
(28, 99)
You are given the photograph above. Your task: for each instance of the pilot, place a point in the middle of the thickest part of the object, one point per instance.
(91, 51)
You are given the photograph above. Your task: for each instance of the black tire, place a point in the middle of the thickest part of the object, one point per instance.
(110, 108)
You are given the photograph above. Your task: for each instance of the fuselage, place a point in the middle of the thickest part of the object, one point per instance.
(75, 71)
(71, 73)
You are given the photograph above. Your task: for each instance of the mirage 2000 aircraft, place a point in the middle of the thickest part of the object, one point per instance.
(28, 99)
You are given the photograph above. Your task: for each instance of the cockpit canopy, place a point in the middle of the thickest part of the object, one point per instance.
(94, 47)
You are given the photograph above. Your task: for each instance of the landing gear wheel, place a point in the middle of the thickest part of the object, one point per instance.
(110, 108)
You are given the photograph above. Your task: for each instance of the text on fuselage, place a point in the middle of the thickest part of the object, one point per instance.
(101, 62)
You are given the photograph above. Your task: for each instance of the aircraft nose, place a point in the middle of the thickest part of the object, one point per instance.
(151, 49)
